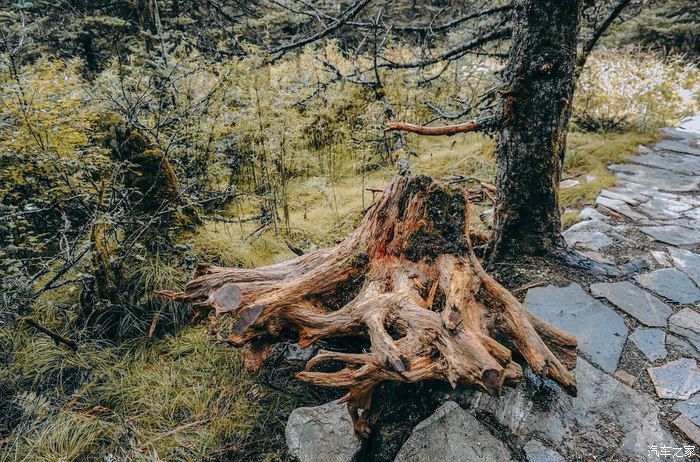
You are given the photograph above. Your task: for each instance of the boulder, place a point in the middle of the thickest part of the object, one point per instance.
(321, 434)
(452, 434)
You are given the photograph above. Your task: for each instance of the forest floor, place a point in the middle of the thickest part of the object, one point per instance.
(183, 395)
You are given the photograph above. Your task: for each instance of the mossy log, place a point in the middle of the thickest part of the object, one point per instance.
(408, 281)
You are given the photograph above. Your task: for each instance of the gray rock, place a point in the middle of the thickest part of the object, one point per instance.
(677, 134)
(677, 146)
(296, 353)
(599, 257)
(663, 209)
(664, 180)
(670, 161)
(600, 331)
(652, 342)
(690, 224)
(686, 323)
(589, 240)
(671, 284)
(690, 409)
(678, 379)
(589, 213)
(452, 433)
(570, 183)
(594, 225)
(321, 434)
(538, 452)
(693, 214)
(661, 258)
(634, 191)
(686, 261)
(634, 301)
(619, 207)
(619, 196)
(672, 234)
(682, 345)
(607, 421)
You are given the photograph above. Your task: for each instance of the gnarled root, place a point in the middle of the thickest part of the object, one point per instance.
(421, 297)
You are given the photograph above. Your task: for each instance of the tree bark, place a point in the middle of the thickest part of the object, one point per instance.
(407, 283)
(537, 93)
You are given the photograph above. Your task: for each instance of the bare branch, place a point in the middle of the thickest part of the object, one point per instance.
(588, 47)
(442, 27)
(482, 124)
(454, 53)
(342, 20)
(56, 337)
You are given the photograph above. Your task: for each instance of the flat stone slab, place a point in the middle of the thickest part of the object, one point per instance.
(652, 342)
(607, 421)
(620, 196)
(693, 214)
(599, 257)
(664, 209)
(595, 225)
(634, 301)
(689, 429)
(685, 347)
(321, 434)
(538, 452)
(664, 180)
(678, 379)
(587, 240)
(687, 324)
(589, 213)
(690, 409)
(677, 134)
(452, 434)
(600, 331)
(620, 207)
(670, 161)
(677, 146)
(672, 234)
(671, 284)
(686, 261)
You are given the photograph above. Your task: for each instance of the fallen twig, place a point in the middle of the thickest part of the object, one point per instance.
(72, 344)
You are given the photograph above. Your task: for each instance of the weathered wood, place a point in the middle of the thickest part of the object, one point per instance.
(408, 281)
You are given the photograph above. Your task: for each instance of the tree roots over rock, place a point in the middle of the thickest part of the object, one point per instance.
(408, 281)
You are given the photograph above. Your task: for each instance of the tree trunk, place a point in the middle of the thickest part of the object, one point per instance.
(407, 285)
(537, 93)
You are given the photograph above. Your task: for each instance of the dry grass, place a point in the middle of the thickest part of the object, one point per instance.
(179, 399)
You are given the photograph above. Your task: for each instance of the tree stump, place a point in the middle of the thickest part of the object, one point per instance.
(406, 280)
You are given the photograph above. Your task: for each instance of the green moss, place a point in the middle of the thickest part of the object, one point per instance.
(155, 179)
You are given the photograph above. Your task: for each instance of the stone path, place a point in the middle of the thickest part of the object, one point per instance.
(639, 340)
(653, 214)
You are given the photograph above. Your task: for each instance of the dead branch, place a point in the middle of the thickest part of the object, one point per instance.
(453, 53)
(484, 123)
(591, 43)
(72, 344)
(349, 14)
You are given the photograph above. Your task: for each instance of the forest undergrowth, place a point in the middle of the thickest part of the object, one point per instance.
(261, 159)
